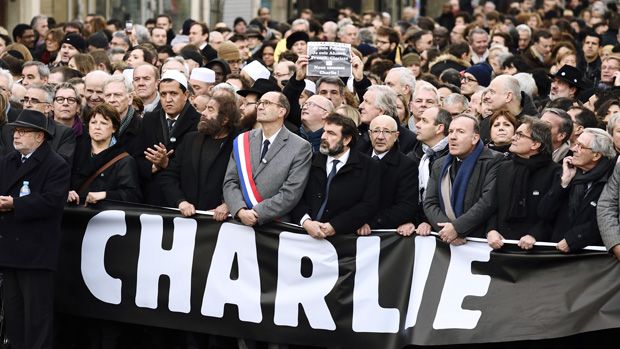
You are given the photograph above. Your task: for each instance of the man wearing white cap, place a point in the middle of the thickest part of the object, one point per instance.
(202, 80)
(163, 130)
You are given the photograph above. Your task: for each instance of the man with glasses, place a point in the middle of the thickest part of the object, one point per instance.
(250, 99)
(62, 138)
(267, 185)
(31, 230)
(573, 199)
(381, 100)
(343, 191)
(398, 204)
(561, 130)
(475, 78)
(313, 114)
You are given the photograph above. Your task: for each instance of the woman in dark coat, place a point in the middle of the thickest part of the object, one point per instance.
(521, 184)
(117, 182)
(5, 133)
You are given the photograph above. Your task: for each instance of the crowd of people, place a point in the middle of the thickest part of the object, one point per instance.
(498, 121)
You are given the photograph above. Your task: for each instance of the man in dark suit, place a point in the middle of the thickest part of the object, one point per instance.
(461, 187)
(343, 189)
(31, 230)
(62, 138)
(381, 100)
(163, 130)
(278, 166)
(194, 177)
(399, 186)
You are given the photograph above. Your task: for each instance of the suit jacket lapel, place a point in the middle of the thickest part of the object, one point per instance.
(256, 140)
(27, 166)
(278, 143)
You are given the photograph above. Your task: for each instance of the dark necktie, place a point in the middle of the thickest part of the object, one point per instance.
(265, 148)
(331, 176)
(170, 124)
(24, 159)
(375, 157)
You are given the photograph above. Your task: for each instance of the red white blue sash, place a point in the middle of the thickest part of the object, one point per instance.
(241, 151)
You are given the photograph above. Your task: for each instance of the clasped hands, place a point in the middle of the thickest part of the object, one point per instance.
(318, 230)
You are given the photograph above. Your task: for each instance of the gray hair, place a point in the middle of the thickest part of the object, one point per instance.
(541, 132)
(503, 57)
(344, 27)
(35, 19)
(405, 77)
(512, 85)
(527, 83)
(475, 31)
(601, 142)
(385, 99)
(524, 28)
(69, 86)
(7, 75)
(46, 88)
(366, 36)
(423, 85)
(122, 35)
(180, 60)
(226, 87)
(142, 33)
(301, 21)
(456, 98)
(118, 78)
(611, 123)
(42, 68)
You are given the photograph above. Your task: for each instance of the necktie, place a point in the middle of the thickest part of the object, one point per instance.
(375, 157)
(170, 124)
(24, 159)
(331, 176)
(265, 148)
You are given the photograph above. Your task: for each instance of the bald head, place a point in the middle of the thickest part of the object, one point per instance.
(383, 133)
(93, 87)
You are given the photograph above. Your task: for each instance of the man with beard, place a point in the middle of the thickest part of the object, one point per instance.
(343, 191)
(163, 130)
(566, 83)
(251, 97)
(194, 177)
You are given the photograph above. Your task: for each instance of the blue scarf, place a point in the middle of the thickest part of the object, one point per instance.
(313, 137)
(461, 181)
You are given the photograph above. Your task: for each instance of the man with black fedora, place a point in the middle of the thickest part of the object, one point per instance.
(567, 83)
(34, 182)
(251, 97)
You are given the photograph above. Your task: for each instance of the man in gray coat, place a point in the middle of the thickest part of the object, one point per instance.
(460, 190)
(608, 211)
(268, 184)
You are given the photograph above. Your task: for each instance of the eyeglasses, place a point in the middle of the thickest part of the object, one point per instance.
(267, 103)
(520, 134)
(382, 42)
(467, 79)
(383, 132)
(22, 131)
(579, 146)
(312, 104)
(31, 100)
(61, 100)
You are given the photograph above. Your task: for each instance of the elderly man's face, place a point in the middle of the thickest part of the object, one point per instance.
(368, 110)
(479, 43)
(423, 100)
(383, 134)
(583, 156)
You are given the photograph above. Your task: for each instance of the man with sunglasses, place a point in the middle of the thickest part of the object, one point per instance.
(31, 230)
(269, 183)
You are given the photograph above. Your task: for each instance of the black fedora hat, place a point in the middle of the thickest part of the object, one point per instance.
(260, 87)
(570, 75)
(296, 36)
(33, 120)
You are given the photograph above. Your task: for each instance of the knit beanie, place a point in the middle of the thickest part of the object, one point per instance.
(228, 51)
(482, 72)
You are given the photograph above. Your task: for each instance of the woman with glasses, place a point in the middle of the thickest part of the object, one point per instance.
(67, 107)
(521, 184)
(102, 169)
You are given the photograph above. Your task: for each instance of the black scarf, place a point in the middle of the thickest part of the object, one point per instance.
(520, 176)
(579, 184)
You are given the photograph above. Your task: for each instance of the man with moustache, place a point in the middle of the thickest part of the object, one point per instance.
(461, 188)
(194, 177)
(343, 191)
(163, 130)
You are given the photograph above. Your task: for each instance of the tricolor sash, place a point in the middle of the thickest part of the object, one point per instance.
(241, 151)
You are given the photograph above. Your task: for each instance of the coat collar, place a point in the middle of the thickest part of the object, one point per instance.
(32, 163)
